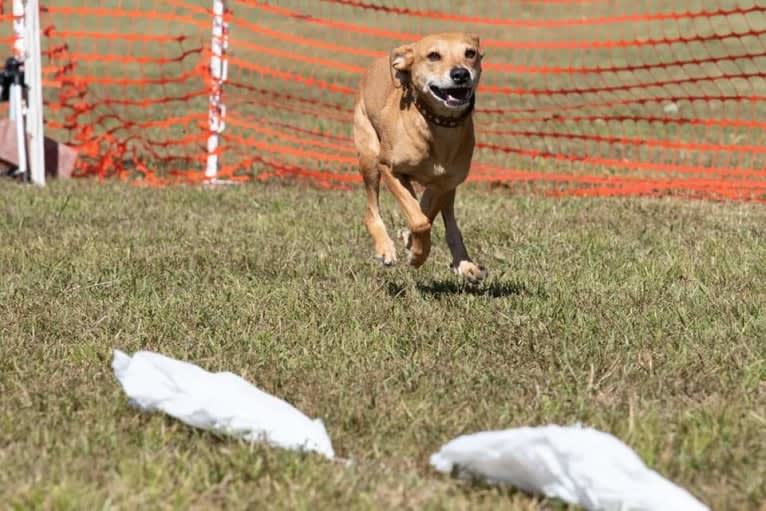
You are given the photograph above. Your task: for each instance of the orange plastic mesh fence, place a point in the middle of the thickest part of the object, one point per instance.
(590, 97)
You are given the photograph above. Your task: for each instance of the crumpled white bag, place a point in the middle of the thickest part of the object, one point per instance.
(579, 465)
(221, 402)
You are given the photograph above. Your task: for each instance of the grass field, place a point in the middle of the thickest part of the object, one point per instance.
(644, 318)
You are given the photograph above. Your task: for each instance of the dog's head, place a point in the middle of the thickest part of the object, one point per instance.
(443, 69)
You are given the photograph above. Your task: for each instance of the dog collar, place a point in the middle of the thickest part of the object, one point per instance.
(443, 120)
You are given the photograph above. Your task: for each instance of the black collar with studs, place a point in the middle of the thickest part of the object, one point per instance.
(443, 120)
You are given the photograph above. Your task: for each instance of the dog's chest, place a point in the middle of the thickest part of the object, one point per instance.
(437, 169)
(438, 157)
(430, 169)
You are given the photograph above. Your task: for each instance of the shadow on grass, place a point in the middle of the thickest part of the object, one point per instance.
(396, 289)
(469, 486)
(446, 287)
(492, 289)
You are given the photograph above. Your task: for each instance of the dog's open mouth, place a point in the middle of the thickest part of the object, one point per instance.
(452, 96)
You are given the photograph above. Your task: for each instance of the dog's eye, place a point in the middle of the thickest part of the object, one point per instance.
(470, 53)
(434, 56)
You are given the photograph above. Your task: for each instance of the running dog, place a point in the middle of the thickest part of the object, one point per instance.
(413, 124)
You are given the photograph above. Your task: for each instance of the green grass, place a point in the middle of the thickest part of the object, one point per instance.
(643, 318)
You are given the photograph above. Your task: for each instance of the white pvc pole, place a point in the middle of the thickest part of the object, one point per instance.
(16, 111)
(19, 47)
(33, 78)
(17, 99)
(218, 70)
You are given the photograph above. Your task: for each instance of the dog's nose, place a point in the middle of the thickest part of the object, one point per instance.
(459, 75)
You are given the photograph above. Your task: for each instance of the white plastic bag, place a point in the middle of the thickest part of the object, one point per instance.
(221, 402)
(578, 465)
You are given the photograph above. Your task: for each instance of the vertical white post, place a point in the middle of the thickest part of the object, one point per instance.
(33, 78)
(218, 70)
(19, 48)
(16, 97)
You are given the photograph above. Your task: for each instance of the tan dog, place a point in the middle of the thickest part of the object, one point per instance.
(412, 123)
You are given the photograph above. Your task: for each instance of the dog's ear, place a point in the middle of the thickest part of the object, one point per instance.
(401, 63)
(476, 42)
(402, 57)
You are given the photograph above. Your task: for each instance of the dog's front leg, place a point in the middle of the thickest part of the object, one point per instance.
(461, 263)
(418, 223)
(431, 203)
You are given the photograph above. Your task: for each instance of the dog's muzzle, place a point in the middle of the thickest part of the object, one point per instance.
(453, 97)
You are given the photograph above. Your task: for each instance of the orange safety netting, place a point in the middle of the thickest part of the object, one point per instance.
(589, 97)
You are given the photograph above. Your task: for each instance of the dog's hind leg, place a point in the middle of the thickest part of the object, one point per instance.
(461, 263)
(368, 145)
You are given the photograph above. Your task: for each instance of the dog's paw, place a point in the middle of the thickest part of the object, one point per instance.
(473, 273)
(418, 246)
(386, 255)
(384, 260)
